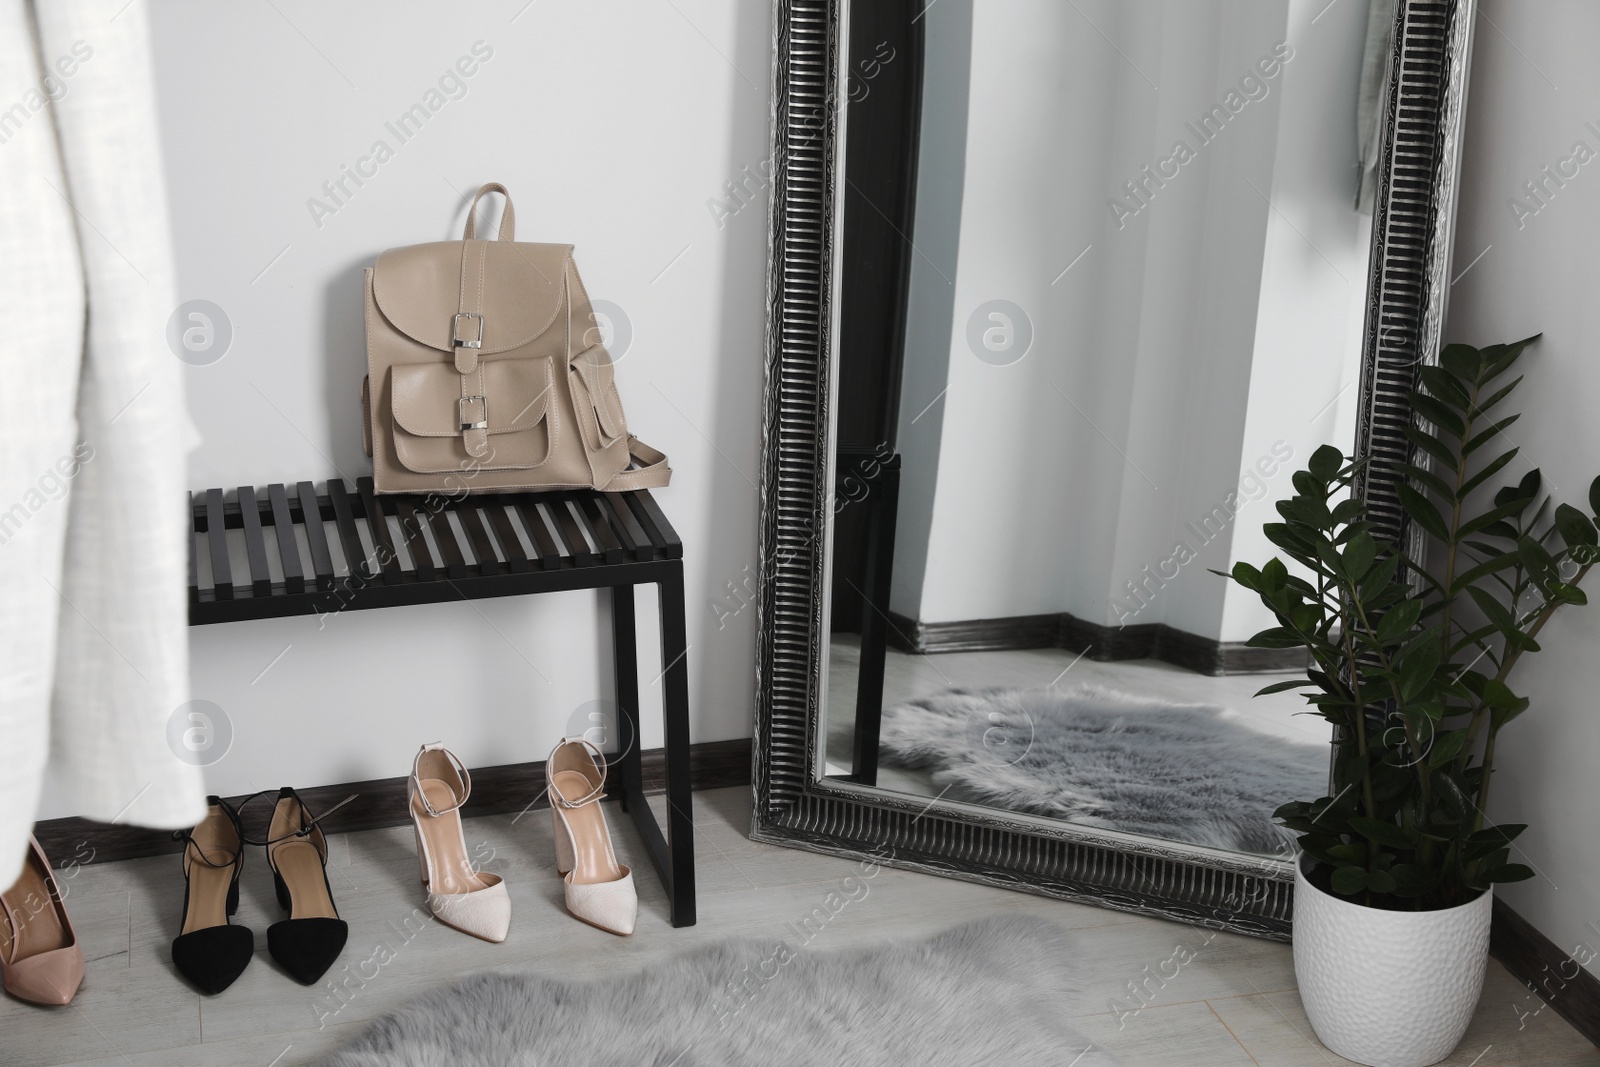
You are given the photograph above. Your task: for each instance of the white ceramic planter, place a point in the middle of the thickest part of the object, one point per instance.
(1388, 988)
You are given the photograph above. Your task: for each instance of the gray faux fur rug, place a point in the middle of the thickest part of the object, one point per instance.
(1107, 758)
(991, 992)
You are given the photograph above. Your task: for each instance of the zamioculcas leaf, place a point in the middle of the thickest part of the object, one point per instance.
(1288, 539)
(1422, 511)
(1594, 496)
(1508, 493)
(1326, 462)
(1381, 882)
(1571, 594)
(1435, 448)
(1503, 833)
(1474, 851)
(1430, 480)
(1438, 413)
(1398, 619)
(1537, 561)
(1416, 670)
(1520, 641)
(1359, 554)
(1528, 488)
(1494, 859)
(1348, 881)
(1488, 434)
(1489, 471)
(1379, 576)
(1500, 394)
(1574, 526)
(1488, 518)
(1277, 637)
(1491, 607)
(1445, 748)
(1348, 510)
(1354, 852)
(1509, 872)
(1500, 716)
(1284, 687)
(1463, 361)
(1496, 694)
(1411, 880)
(1503, 357)
(1384, 833)
(1502, 562)
(1306, 483)
(1444, 385)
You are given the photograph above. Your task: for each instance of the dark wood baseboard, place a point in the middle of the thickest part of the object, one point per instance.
(1203, 655)
(382, 802)
(1550, 974)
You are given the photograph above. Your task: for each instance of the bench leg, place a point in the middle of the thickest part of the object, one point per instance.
(675, 708)
(673, 853)
(625, 654)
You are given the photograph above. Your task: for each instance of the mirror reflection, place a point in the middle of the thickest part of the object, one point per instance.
(1122, 326)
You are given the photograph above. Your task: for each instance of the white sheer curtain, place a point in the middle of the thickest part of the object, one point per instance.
(93, 643)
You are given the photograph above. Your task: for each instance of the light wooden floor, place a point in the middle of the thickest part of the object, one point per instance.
(1233, 1004)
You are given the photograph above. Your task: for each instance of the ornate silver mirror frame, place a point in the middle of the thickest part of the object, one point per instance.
(1411, 244)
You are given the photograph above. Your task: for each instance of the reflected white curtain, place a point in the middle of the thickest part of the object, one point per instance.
(1374, 98)
(1162, 193)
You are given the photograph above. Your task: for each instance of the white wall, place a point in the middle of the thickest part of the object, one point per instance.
(613, 124)
(1534, 87)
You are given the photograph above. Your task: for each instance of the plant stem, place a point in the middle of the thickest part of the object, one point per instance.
(1455, 519)
(1361, 723)
(1511, 657)
(1483, 786)
(1399, 701)
(1481, 713)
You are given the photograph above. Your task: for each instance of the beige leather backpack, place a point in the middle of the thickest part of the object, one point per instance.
(485, 373)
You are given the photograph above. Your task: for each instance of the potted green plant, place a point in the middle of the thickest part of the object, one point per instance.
(1412, 665)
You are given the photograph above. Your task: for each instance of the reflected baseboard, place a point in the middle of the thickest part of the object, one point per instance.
(1203, 655)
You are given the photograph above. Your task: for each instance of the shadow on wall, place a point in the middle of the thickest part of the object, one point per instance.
(930, 302)
(736, 369)
(344, 364)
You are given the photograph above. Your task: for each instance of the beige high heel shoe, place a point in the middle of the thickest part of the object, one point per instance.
(471, 901)
(40, 958)
(599, 889)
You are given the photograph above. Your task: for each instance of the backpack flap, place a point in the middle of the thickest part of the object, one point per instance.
(505, 425)
(515, 292)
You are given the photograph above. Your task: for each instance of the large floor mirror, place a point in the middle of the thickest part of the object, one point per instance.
(1092, 280)
(1125, 326)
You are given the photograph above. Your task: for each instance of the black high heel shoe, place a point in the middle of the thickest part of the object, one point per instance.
(311, 938)
(209, 950)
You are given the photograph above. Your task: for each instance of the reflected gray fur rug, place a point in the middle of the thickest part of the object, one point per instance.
(1103, 757)
(991, 992)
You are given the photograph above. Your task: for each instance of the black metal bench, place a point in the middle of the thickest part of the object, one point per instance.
(514, 544)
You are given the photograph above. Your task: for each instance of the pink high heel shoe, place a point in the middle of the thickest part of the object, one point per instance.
(40, 959)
